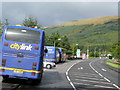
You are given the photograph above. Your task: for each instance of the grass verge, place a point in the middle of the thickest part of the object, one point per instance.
(113, 65)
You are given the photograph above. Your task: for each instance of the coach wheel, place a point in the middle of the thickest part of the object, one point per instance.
(5, 78)
(36, 81)
(33, 81)
(49, 66)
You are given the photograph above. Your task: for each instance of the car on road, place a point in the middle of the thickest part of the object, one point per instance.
(48, 65)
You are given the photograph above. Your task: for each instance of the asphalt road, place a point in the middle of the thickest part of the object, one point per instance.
(77, 75)
(54, 78)
(92, 74)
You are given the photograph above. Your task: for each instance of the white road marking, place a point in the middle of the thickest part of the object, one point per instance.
(116, 86)
(94, 85)
(84, 74)
(68, 76)
(106, 79)
(80, 68)
(94, 76)
(89, 78)
(82, 83)
(100, 74)
(103, 76)
(94, 81)
(67, 73)
(104, 70)
(89, 74)
(73, 86)
(96, 71)
(103, 86)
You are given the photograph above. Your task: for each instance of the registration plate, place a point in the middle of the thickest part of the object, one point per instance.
(18, 71)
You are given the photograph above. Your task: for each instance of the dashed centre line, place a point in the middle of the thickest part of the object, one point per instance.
(103, 76)
(95, 79)
(104, 70)
(80, 68)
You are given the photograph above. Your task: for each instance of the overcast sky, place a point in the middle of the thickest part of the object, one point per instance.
(52, 13)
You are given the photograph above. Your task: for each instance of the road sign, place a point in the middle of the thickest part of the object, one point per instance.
(78, 53)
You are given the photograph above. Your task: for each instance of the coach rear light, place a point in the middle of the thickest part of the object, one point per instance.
(2, 70)
(5, 44)
(34, 65)
(36, 48)
(3, 62)
(33, 73)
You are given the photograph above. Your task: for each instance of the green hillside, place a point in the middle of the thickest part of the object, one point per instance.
(102, 33)
(93, 32)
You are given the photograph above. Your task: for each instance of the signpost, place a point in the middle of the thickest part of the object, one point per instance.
(78, 53)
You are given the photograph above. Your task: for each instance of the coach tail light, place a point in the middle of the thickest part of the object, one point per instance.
(5, 44)
(34, 66)
(33, 73)
(3, 62)
(2, 70)
(36, 48)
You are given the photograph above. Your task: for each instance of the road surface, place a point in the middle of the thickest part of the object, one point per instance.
(92, 74)
(77, 75)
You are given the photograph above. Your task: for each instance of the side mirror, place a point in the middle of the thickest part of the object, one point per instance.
(46, 50)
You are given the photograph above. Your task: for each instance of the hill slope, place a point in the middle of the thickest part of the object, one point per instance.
(95, 21)
(96, 31)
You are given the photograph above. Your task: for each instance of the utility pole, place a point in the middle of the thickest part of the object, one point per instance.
(95, 52)
(54, 43)
(100, 53)
(87, 53)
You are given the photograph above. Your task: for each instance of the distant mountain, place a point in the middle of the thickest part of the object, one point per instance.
(93, 31)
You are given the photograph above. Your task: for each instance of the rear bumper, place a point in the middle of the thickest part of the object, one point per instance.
(24, 75)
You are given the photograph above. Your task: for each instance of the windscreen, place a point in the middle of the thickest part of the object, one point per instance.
(51, 50)
(22, 35)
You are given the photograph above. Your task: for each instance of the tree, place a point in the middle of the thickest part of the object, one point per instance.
(0, 29)
(65, 42)
(6, 22)
(116, 50)
(48, 41)
(54, 39)
(31, 22)
(0, 22)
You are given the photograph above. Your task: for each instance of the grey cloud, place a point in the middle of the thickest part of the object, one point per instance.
(52, 13)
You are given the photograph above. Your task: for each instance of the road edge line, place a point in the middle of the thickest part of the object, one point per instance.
(68, 78)
(103, 76)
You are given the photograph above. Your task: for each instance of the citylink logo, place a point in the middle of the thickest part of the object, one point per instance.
(21, 47)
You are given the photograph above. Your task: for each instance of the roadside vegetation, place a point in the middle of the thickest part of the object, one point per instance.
(113, 63)
(98, 35)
